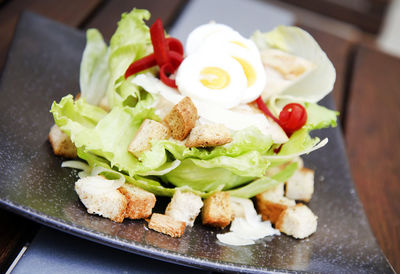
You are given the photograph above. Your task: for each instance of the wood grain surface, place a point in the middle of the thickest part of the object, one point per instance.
(372, 140)
(368, 15)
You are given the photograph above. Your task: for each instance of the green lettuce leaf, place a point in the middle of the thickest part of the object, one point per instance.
(319, 117)
(264, 183)
(94, 73)
(107, 137)
(130, 42)
(75, 116)
(298, 142)
(210, 178)
(139, 181)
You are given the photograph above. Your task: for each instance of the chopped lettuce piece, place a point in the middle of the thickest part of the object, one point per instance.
(264, 183)
(94, 72)
(319, 117)
(130, 42)
(206, 179)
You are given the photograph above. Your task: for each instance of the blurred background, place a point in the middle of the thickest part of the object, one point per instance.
(361, 37)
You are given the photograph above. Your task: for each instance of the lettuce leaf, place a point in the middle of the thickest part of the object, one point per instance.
(319, 117)
(94, 73)
(130, 42)
(204, 179)
(264, 183)
(107, 137)
(315, 85)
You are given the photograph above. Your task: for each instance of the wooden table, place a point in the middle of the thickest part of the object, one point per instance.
(367, 93)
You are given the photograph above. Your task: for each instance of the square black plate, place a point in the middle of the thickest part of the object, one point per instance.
(43, 66)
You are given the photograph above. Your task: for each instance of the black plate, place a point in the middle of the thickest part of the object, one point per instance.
(43, 66)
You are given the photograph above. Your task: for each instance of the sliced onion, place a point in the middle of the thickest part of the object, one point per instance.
(83, 174)
(76, 164)
(172, 166)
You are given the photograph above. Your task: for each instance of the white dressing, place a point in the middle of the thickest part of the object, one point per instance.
(232, 119)
(245, 231)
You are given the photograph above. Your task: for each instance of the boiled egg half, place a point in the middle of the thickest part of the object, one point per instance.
(221, 67)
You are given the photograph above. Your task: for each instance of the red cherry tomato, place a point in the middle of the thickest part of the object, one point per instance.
(292, 117)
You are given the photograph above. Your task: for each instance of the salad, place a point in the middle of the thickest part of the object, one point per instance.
(222, 114)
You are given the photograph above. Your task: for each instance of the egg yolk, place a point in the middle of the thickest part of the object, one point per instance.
(248, 71)
(239, 44)
(214, 78)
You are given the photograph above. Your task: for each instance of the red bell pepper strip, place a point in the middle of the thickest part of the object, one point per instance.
(174, 45)
(175, 59)
(168, 55)
(141, 64)
(263, 107)
(166, 70)
(159, 43)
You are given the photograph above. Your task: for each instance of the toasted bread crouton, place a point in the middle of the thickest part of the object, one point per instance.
(208, 135)
(217, 210)
(140, 202)
(271, 203)
(149, 130)
(166, 225)
(184, 206)
(61, 143)
(182, 118)
(298, 221)
(101, 197)
(301, 185)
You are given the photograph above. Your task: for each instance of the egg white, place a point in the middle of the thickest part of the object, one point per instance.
(245, 52)
(189, 76)
(229, 39)
(197, 37)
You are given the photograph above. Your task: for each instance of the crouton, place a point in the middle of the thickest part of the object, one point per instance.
(61, 143)
(184, 206)
(140, 202)
(301, 185)
(298, 221)
(271, 203)
(181, 119)
(166, 225)
(217, 210)
(149, 130)
(101, 197)
(208, 135)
